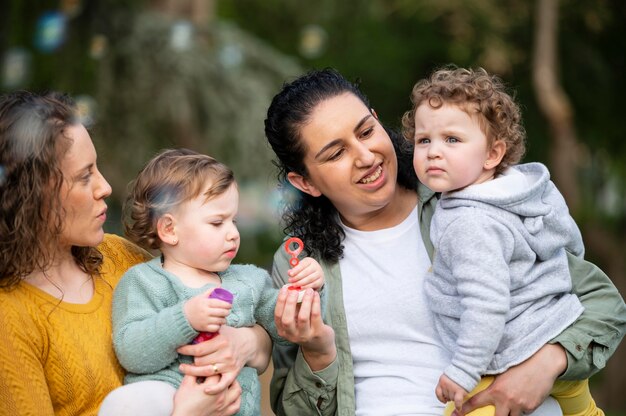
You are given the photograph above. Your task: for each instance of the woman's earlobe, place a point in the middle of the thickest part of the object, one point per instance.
(303, 184)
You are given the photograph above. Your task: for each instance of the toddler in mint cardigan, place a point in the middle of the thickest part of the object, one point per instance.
(185, 205)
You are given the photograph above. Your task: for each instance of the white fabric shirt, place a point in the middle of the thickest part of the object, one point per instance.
(397, 355)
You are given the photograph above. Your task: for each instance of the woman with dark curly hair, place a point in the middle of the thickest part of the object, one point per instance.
(58, 270)
(367, 222)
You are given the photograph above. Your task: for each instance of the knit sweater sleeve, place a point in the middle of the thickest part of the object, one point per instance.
(148, 321)
(476, 250)
(264, 309)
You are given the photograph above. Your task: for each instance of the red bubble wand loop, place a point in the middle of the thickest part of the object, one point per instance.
(293, 261)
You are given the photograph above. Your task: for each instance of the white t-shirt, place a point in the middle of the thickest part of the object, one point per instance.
(397, 355)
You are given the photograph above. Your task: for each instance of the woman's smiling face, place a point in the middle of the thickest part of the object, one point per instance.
(349, 158)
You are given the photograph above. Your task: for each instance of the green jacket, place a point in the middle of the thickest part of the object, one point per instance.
(296, 390)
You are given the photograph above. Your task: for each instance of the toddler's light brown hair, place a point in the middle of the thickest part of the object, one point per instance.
(170, 178)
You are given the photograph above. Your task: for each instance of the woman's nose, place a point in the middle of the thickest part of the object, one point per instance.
(364, 156)
(102, 188)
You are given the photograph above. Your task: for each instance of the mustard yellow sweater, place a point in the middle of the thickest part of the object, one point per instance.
(57, 358)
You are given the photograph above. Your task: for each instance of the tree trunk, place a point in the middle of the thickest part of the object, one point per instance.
(565, 161)
(554, 103)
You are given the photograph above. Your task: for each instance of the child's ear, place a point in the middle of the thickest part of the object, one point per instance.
(166, 229)
(303, 184)
(495, 154)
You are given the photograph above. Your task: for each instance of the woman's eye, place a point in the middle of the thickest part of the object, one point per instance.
(85, 178)
(336, 155)
(367, 133)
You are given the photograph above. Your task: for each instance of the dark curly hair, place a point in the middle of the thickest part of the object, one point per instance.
(479, 94)
(170, 178)
(32, 146)
(315, 219)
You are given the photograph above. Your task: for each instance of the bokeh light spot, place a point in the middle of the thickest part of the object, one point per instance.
(51, 31)
(312, 41)
(16, 68)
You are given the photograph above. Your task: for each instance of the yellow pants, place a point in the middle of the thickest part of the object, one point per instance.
(573, 397)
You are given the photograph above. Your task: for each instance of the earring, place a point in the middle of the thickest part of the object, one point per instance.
(175, 241)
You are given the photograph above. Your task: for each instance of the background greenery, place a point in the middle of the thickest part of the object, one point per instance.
(200, 74)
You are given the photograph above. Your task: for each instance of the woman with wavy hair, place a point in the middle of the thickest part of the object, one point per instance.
(58, 270)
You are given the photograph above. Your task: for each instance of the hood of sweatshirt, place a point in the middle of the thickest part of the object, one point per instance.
(527, 192)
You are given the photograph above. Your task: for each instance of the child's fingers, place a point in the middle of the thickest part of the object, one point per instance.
(313, 281)
(302, 264)
(217, 303)
(458, 400)
(440, 395)
(218, 312)
(305, 265)
(302, 281)
(308, 275)
(213, 328)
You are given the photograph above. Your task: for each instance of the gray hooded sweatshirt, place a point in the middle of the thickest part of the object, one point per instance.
(500, 283)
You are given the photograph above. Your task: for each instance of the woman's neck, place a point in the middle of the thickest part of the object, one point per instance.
(392, 214)
(64, 280)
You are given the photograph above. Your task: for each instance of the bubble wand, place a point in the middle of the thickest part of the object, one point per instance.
(293, 261)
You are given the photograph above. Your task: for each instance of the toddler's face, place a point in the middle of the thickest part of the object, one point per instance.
(207, 233)
(451, 149)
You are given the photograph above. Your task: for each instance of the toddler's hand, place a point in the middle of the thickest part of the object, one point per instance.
(307, 274)
(204, 314)
(448, 391)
